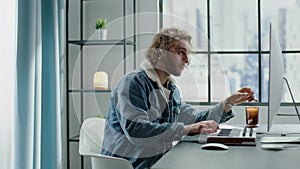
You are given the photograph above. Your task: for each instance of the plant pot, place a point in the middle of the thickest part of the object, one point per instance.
(101, 34)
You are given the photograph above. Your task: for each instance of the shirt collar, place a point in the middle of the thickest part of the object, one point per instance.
(151, 73)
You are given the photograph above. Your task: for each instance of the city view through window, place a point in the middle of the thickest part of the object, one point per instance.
(231, 45)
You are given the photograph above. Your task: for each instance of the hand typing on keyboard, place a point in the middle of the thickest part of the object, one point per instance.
(209, 126)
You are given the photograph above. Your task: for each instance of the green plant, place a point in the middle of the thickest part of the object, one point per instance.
(101, 23)
(101, 116)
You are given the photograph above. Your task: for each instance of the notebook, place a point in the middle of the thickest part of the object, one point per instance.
(229, 135)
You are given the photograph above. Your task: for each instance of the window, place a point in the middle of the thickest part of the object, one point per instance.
(231, 44)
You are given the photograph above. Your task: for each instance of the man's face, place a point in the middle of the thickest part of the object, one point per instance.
(177, 58)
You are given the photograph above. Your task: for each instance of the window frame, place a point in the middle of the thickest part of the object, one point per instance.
(259, 52)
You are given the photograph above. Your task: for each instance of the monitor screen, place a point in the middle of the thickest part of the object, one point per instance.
(275, 77)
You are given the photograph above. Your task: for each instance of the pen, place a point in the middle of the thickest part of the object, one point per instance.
(251, 131)
(244, 131)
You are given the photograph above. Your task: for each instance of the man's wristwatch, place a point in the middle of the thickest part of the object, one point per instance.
(228, 104)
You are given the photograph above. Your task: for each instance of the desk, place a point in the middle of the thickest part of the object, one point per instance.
(187, 155)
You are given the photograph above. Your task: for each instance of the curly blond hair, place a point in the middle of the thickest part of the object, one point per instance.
(163, 41)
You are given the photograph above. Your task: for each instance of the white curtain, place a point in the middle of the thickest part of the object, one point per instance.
(37, 118)
(7, 72)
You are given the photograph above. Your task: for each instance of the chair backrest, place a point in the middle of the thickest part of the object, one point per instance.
(108, 162)
(90, 144)
(91, 136)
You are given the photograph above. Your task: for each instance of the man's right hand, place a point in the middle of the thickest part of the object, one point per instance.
(209, 126)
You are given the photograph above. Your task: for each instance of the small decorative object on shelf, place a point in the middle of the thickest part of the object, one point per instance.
(101, 30)
(101, 80)
(100, 115)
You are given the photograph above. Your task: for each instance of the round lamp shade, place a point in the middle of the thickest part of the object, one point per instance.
(101, 80)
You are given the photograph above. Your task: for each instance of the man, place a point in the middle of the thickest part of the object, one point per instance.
(146, 111)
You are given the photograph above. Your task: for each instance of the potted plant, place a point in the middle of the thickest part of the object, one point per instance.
(101, 29)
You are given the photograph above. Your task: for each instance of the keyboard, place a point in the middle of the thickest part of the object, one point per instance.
(284, 139)
(234, 136)
(229, 132)
(224, 132)
(230, 136)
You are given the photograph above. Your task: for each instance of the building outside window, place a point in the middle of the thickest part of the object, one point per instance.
(231, 45)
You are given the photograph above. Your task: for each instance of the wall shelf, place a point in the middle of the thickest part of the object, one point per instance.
(101, 42)
(78, 38)
(88, 91)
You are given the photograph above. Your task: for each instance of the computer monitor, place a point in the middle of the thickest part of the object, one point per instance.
(275, 77)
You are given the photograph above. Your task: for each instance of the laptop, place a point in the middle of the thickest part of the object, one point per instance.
(229, 135)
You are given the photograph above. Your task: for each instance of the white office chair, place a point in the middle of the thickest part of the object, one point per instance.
(90, 145)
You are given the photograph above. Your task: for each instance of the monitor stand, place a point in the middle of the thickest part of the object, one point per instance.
(290, 91)
(282, 138)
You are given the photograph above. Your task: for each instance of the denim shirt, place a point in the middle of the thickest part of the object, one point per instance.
(144, 119)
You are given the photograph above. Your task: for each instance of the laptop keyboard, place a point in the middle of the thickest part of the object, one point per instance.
(234, 136)
(229, 132)
(224, 132)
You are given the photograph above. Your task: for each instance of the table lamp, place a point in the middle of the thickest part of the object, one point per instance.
(100, 80)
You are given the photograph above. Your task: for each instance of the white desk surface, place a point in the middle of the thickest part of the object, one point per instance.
(187, 155)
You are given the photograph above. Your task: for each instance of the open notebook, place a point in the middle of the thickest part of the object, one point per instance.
(229, 135)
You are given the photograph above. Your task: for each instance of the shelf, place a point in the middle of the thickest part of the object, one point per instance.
(74, 139)
(101, 42)
(88, 91)
(81, 90)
